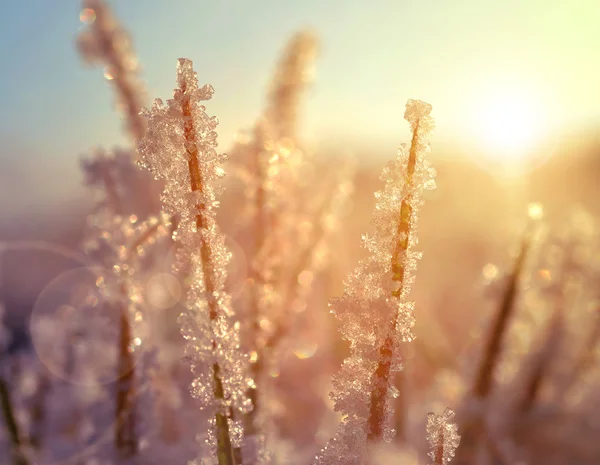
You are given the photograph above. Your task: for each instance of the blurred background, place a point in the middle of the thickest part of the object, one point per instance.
(515, 95)
(513, 86)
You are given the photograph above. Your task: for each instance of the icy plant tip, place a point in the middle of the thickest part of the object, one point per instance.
(443, 437)
(180, 147)
(375, 311)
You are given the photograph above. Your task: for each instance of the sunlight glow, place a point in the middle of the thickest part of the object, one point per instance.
(509, 124)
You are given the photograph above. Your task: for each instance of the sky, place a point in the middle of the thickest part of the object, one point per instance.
(462, 56)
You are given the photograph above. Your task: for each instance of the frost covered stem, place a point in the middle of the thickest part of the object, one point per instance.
(125, 425)
(438, 451)
(224, 447)
(125, 439)
(377, 412)
(484, 377)
(110, 188)
(257, 278)
(443, 437)
(111, 46)
(291, 78)
(543, 360)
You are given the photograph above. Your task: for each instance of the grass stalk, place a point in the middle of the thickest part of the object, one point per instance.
(493, 344)
(438, 451)
(400, 406)
(14, 435)
(225, 453)
(473, 425)
(108, 42)
(377, 414)
(125, 438)
(257, 277)
(292, 290)
(542, 361)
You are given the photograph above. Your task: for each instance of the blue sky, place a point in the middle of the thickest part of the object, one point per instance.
(375, 55)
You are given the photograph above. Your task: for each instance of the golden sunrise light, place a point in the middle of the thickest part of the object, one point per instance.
(300, 232)
(509, 124)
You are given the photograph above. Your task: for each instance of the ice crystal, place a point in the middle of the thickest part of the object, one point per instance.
(375, 312)
(180, 147)
(106, 43)
(443, 437)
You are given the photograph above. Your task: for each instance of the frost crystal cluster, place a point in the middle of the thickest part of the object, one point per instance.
(375, 311)
(115, 235)
(117, 238)
(180, 147)
(443, 437)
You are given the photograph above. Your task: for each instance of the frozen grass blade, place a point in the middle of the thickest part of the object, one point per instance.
(293, 73)
(473, 424)
(493, 344)
(543, 359)
(443, 437)
(375, 312)
(101, 172)
(224, 447)
(125, 437)
(179, 147)
(294, 290)
(105, 42)
(405, 232)
(483, 381)
(272, 178)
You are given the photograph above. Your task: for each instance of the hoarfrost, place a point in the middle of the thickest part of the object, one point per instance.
(180, 147)
(443, 437)
(374, 311)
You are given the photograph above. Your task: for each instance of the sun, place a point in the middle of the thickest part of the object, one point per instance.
(509, 124)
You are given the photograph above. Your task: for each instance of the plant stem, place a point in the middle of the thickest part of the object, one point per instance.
(401, 407)
(225, 453)
(377, 414)
(258, 281)
(542, 361)
(484, 378)
(473, 425)
(11, 425)
(38, 410)
(438, 457)
(113, 53)
(125, 419)
(125, 439)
